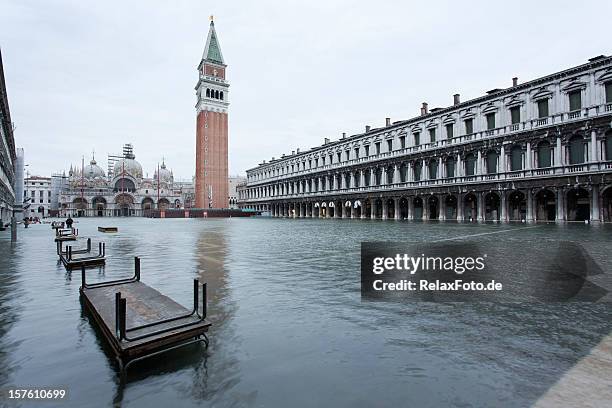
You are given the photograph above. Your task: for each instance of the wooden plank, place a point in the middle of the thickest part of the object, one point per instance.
(79, 262)
(144, 305)
(66, 238)
(108, 229)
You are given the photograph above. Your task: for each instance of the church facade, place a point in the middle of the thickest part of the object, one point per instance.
(88, 191)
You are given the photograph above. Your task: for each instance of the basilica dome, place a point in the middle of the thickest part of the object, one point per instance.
(130, 166)
(165, 175)
(93, 171)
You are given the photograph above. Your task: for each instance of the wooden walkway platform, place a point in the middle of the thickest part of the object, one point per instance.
(139, 322)
(83, 257)
(64, 234)
(108, 229)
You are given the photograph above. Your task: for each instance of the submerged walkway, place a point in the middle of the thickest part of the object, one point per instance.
(587, 384)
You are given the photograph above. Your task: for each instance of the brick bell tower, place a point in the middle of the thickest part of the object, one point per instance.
(211, 188)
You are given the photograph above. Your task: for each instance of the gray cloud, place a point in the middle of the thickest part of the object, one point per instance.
(94, 76)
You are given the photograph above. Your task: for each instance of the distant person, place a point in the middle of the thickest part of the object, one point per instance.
(69, 222)
(26, 222)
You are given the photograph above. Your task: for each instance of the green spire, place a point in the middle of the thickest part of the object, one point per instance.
(212, 51)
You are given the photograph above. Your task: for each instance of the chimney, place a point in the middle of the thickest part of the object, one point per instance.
(514, 81)
(387, 121)
(367, 128)
(424, 109)
(344, 135)
(456, 100)
(326, 141)
(292, 152)
(297, 150)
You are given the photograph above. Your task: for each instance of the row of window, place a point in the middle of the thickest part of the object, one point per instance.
(214, 93)
(577, 153)
(575, 104)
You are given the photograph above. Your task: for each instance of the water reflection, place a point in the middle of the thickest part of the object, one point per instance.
(288, 319)
(10, 289)
(211, 255)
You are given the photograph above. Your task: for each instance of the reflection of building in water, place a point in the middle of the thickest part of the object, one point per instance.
(211, 256)
(124, 191)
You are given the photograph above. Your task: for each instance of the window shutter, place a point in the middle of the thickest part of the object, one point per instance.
(449, 131)
(609, 92)
(432, 135)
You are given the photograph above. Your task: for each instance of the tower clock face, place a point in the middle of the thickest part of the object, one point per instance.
(214, 72)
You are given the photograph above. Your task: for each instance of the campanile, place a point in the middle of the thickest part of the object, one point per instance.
(211, 127)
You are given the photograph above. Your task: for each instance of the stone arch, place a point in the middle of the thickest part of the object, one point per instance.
(147, 203)
(124, 203)
(357, 209)
(331, 209)
(163, 204)
(403, 208)
(492, 206)
(578, 204)
(470, 207)
(98, 204)
(545, 205)
(517, 206)
(80, 203)
(433, 207)
(606, 203)
(418, 208)
(125, 184)
(450, 205)
(390, 204)
(378, 209)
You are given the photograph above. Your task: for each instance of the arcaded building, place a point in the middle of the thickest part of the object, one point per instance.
(535, 151)
(211, 186)
(8, 157)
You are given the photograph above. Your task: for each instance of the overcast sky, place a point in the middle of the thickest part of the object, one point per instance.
(92, 75)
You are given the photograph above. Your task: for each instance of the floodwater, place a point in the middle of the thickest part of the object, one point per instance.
(290, 328)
